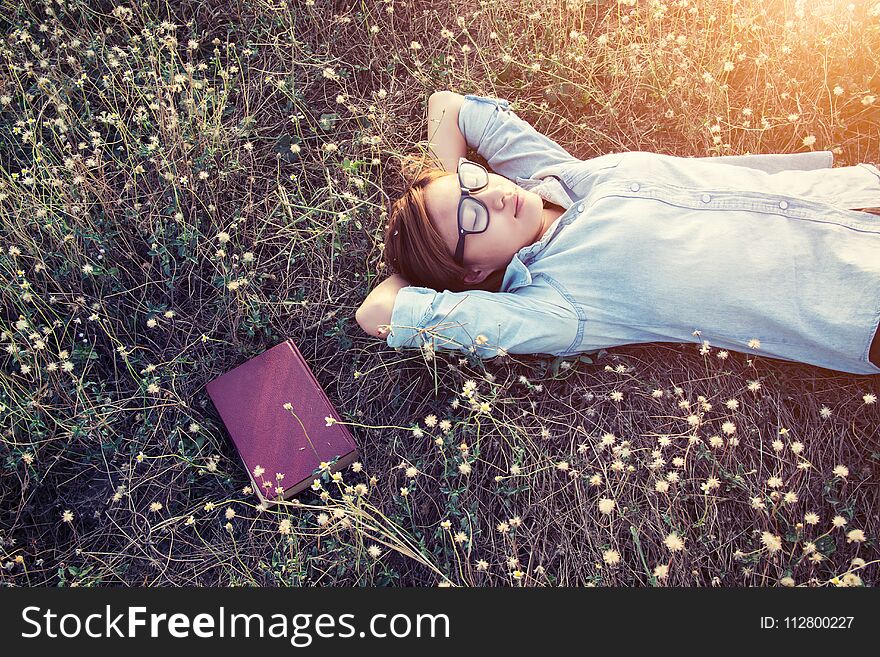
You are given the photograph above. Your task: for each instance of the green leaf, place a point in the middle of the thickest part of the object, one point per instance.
(638, 543)
(282, 147)
(328, 121)
(509, 72)
(826, 545)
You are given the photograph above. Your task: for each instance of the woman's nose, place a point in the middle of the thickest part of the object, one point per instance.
(501, 198)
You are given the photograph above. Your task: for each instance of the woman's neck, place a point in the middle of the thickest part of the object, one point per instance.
(552, 212)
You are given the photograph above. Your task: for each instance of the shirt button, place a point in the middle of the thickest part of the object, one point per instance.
(581, 207)
(783, 204)
(634, 187)
(706, 198)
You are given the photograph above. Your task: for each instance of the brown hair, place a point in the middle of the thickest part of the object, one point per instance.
(415, 249)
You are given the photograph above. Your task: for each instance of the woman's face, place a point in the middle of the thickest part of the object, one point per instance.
(508, 230)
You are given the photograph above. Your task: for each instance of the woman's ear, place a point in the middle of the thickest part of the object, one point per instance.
(476, 276)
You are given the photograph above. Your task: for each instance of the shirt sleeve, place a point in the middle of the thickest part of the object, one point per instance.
(776, 162)
(483, 323)
(511, 146)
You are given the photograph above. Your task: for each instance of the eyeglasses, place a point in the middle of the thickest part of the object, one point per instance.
(473, 215)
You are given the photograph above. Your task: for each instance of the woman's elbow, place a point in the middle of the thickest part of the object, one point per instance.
(443, 98)
(360, 316)
(376, 310)
(369, 322)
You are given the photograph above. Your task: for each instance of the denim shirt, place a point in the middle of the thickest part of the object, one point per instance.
(761, 254)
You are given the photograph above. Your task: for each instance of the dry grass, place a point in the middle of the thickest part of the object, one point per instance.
(180, 192)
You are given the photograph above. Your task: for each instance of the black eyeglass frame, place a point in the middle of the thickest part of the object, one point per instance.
(466, 193)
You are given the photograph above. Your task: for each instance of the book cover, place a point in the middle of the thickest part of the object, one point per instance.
(292, 442)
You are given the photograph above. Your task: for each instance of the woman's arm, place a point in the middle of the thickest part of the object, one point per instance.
(376, 309)
(510, 145)
(479, 322)
(445, 141)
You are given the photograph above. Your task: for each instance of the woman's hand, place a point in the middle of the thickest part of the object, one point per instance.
(374, 314)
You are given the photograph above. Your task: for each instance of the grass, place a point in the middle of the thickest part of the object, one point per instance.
(180, 191)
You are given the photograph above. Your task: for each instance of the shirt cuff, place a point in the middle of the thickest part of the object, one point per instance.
(411, 306)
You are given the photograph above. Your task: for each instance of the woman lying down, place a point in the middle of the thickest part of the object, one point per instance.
(777, 255)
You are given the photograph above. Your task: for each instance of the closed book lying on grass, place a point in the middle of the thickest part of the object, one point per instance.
(278, 415)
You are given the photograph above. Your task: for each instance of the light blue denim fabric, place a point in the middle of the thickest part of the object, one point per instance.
(656, 248)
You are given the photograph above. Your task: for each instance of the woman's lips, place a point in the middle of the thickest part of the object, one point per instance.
(516, 211)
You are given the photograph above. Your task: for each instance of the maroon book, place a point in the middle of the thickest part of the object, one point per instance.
(271, 438)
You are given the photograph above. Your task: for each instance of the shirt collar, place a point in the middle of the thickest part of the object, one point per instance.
(516, 275)
(552, 189)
